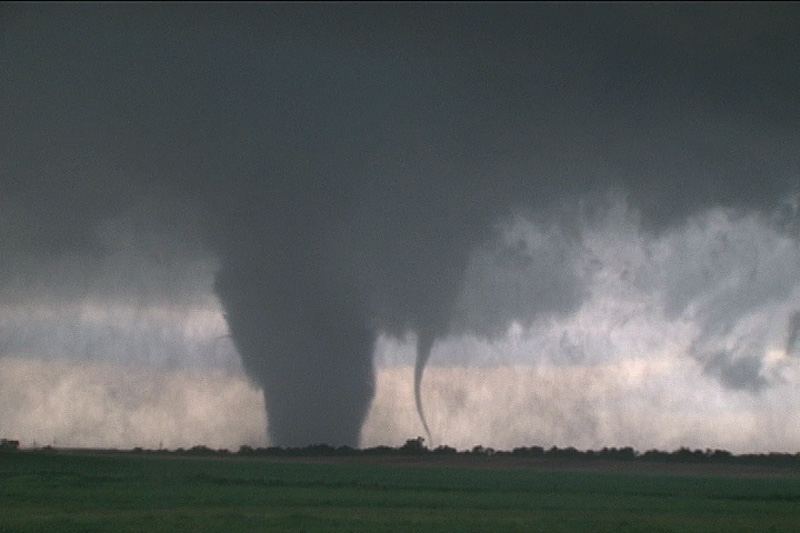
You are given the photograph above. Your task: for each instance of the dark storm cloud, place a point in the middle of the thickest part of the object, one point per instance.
(348, 159)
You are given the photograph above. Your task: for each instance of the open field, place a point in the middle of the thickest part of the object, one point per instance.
(129, 492)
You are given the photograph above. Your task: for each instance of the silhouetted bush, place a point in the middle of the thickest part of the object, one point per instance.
(445, 450)
(414, 446)
(532, 451)
(200, 450)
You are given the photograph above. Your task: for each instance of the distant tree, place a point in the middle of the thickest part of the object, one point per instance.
(685, 455)
(8, 445)
(346, 450)
(414, 446)
(379, 450)
(532, 451)
(617, 454)
(722, 456)
(200, 450)
(655, 455)
(565, 453)
(445, 450)
(481, 450)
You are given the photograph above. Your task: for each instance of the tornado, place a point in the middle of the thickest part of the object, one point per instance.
(308, 348)
(425, 342)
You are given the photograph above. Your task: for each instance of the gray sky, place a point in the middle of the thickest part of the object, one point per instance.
(325, 174)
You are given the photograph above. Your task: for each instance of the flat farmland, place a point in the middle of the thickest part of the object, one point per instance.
(109, 492)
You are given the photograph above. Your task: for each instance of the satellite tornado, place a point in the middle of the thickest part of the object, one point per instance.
(424, 345)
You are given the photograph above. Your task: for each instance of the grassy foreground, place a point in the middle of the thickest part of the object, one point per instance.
(127, 492)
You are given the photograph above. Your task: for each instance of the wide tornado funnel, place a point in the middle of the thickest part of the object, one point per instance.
(307, 346)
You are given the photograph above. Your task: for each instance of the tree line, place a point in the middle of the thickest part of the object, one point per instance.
(417, 447)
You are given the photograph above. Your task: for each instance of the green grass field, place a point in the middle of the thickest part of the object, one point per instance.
(127, 492)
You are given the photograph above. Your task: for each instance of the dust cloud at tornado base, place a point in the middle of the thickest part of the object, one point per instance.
(608, 182)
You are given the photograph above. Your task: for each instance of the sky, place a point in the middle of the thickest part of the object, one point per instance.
(505, 224)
